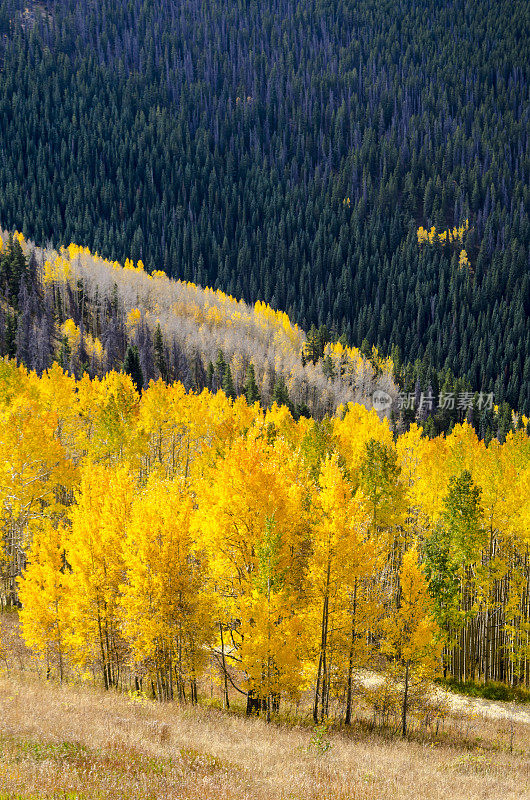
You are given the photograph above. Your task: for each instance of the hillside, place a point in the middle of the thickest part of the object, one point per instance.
(288, 153)
(86, 312)
(93, 315)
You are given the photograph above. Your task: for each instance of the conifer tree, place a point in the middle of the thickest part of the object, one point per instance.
(250, 387)
(131, 367)
(160, 354)
(228, 383)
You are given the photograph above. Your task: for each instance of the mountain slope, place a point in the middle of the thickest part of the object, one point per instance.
(87, 311)
(288, 153)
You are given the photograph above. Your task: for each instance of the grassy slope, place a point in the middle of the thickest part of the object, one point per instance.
(80, 743)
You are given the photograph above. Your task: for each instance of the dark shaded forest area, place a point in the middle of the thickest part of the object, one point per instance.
(289, 152)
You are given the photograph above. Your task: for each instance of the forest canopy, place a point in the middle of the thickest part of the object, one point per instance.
(289, 152)
(149, 535)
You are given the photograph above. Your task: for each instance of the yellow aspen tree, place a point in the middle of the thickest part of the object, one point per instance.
(165, 420)
(34, 468)
(384, 495)
(340, 557)
(257, 481)
(167, 612)
(109, 410)
(43, 592)
(412, 638)
(95, 554)
(272, 631)
(353, 430)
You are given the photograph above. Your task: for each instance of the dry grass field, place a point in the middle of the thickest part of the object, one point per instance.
(70, 742)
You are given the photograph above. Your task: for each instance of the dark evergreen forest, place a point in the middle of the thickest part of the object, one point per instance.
(289, 151)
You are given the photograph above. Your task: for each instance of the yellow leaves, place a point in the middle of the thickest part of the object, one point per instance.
(166, 609)
(520, 496)
(412, 635)
(254, 483)
(93, 346)
(214, 317)
(451, 236)
(189, 510)
(34, 463)
(273, 644)
(355, 429)
(57, 270)
(95, 554)
(463, 260)
(72, 333)
(43, 591)
(341, 552)
(423, 235)
(129, 266)
(260, 333)
(134, 317)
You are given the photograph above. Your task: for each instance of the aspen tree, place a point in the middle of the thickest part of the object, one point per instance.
(272, 632)
(257, 481)
(167, 613)
(412, 637)
(340, 556)
(43, 592)
(95, 553)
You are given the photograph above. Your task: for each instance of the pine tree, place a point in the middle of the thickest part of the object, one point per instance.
(250, 387)
(228, 384)
(313, 345)
(131, 366)
(220, 368)
(280, 394)
(11, 334)
(160, 355)
(65, 353)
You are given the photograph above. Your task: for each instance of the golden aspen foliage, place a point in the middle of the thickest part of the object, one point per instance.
(341, 556)
(272, 632)
(451, 235)
(412, 638)
(166, 608)
(463, 260)
(256, 481)
(109, 411)
(43, 592)
(95, 555)
(35, 468)
(353, 430)
(164, 533)
(257, 484)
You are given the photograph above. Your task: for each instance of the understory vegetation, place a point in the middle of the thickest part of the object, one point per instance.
(80, 743)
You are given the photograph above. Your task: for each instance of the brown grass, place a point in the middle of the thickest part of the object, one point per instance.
(75, 742)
